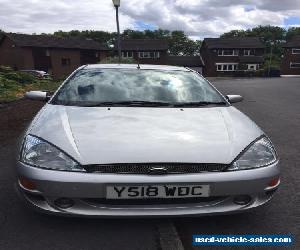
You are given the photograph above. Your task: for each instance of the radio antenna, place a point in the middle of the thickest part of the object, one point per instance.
(138, 58)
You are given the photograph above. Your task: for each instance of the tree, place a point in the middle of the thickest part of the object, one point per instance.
(268, 33)
(179, 42)
(132, 34)
(181, 45)
(271, 36)
(160, 33)
(234, 33)
(102, 37)
(1, 33)
(291, 32)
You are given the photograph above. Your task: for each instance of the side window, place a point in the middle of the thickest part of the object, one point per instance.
(295, 51)
(127, 54)
(294, 65)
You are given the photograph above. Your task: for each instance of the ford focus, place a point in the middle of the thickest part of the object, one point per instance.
(127, 140)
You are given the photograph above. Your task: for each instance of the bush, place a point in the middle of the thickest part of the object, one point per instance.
(260, 73)
(245, 73)
(274, 72)
(14, 84)
(5, 69)
(8, 89)
(20, 77)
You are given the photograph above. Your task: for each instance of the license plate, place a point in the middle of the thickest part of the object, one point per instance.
(156, 191)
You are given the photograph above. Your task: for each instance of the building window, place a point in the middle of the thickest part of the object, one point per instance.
(227, 66)
(294, 65)
(146, 54)
(65, 61)
(295, 51)
(249, 52)
(127, 54)
(228, 52)
(252, 66)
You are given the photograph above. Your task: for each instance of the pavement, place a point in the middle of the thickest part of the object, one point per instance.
(274, 104)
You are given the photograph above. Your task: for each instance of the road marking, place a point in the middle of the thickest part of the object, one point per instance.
(168, 237)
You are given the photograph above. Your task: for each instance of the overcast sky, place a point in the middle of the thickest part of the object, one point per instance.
(198, 18)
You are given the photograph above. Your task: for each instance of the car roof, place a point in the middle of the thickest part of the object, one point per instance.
(135, 66)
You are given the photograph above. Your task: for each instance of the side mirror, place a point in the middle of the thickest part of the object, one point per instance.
(234, 98)
(37, 95)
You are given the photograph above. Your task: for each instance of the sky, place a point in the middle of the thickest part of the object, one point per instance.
(197, 18)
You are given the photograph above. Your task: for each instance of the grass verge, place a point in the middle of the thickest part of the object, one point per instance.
(14, 84)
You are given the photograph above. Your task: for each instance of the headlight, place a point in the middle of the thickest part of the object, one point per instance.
(259, 154)
(39, 153)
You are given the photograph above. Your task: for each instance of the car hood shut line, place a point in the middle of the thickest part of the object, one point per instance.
(68, 131)
(96, 135)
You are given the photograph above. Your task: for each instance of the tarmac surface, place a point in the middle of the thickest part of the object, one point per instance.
(274, 104)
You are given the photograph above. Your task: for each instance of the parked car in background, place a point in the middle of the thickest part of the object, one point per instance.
(38, 74)
(148, 140)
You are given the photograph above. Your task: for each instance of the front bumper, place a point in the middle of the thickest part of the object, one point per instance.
(87, 192)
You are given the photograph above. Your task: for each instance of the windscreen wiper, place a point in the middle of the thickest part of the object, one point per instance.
(140, 103)
(196, 104)
(130, 103)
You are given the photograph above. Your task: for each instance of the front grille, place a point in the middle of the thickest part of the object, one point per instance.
(157, 201)
(156, 168)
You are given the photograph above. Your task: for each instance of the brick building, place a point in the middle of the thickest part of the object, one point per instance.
(146, 51)
(55, 55)
(291, 60)
(229, 56)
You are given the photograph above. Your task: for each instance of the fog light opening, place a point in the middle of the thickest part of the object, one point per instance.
(274, 183)
(272, 186)
(27, 184)
(242, 200)
(64, 203)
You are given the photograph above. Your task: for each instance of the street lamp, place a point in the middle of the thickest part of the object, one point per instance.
(117, 5)
(270, 60)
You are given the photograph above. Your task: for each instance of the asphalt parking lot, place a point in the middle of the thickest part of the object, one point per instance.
(274, 104)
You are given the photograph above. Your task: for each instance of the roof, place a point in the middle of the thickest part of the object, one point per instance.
(144, 44)
(294, 42)
(49, 41)
(251, 59)
(134, 66)
(186, 61)
(232, 43)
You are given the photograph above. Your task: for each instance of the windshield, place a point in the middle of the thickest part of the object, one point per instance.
(90, 87)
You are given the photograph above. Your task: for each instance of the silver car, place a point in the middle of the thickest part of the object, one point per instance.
(148, 140)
